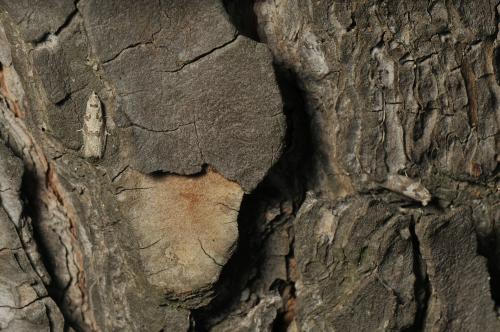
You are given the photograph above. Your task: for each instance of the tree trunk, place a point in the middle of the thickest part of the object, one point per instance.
(272, 165)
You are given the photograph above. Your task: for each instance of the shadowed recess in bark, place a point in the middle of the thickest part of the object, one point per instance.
(496, 62)
(286, 180)
(243, 17)
(421, 286)
(30, 190)
(488, 248)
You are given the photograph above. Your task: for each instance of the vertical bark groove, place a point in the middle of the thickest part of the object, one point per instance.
(422, 287)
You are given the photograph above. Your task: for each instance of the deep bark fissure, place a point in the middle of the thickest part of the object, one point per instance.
(422, 286)
(291, 168)
(236, 275)
(51, 323)
(286, 179)
(31, 209)
(488, 248)
(288, 292)
(30, 189)
(243, 17)
(496, 63)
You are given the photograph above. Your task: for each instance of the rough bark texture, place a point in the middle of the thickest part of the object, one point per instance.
(271, 165)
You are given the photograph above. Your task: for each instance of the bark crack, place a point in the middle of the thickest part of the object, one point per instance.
(161, 130)
(24, 306)
(228, 207)
(201, 56)
(422, 286)
(208, 255)
(121, 190)
(150, 245)
(46, 38)
(471, 89)
(129, 47)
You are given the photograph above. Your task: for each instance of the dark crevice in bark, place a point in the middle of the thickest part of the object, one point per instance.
(351, 26)
(287, 291)
(67, 327)
(422, 286)
(243, 17)
(30, 189)
(489, 249)
(159, 174)
(496, 63)
(238, 271)
(64, 100)
(31, 208)
(496, 50)
(48, 310)
(286, 181)
(471, 90)
(67, 22)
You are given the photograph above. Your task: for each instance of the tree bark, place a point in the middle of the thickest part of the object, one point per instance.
(268, 165)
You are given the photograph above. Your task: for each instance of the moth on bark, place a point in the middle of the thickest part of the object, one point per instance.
(94, 131)
(408, 187)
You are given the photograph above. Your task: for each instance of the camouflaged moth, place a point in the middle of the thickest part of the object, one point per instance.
(94, 132)
(408, 187)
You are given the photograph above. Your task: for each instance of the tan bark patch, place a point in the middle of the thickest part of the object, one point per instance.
(186, 226)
